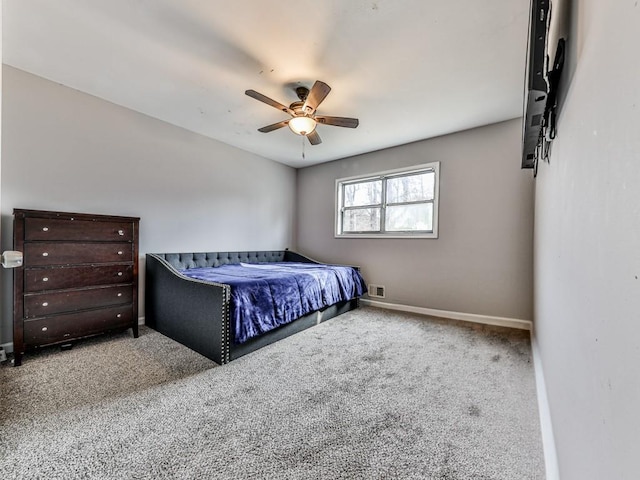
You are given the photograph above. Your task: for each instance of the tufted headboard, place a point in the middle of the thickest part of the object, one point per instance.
(183, 261)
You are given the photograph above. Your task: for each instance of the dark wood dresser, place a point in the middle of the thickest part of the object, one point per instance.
(79, 277)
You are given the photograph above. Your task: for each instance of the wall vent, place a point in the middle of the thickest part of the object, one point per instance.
(376, 291)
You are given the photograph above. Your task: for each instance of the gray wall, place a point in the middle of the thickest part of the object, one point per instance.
(482, 261)
(68, 151)
(587, 250)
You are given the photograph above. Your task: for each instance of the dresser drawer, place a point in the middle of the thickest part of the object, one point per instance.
(63, 253)
(48, 303)
(76, 230)
(58, 328)
(57, 278)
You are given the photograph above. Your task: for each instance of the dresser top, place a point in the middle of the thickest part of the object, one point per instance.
(22, 213)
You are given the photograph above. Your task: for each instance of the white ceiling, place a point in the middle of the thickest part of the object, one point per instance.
(408, 69)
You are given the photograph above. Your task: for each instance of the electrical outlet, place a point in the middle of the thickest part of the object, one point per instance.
(3, 355)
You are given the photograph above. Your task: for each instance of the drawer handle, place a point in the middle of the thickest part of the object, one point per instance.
(44, 329)
(119, 294)
(119, 315)
(45, 304)
(45, 279)
(120, 252)
(119, 274)
(121, 233)
(45, 254)
(45, 229)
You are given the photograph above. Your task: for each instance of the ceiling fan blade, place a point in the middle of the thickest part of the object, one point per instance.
(264, 99)
(316, 95)
(314, 138)
(338, 121)
(273, 126)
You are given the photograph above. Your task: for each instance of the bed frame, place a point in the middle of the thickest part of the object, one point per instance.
(196, 313)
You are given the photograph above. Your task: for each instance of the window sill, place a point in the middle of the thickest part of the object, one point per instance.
(384, 235)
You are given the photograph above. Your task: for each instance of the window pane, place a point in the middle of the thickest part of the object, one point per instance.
(361, 220)
(363, 193)
(411, 188)
(409, 218)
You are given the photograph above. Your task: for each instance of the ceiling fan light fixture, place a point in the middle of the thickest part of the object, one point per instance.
(302, 125)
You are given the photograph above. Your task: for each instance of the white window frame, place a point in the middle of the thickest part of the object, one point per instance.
(339, 208)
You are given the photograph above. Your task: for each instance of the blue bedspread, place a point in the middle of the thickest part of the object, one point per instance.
(267, 295)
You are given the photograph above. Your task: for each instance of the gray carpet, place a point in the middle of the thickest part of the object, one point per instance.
(371, 394)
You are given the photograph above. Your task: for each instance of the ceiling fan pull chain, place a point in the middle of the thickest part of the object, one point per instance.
(303, 138)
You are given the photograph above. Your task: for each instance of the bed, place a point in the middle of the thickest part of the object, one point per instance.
(203, 300)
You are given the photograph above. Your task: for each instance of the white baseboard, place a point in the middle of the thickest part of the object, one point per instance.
(8, 347)
(546, 428)
(467, 317)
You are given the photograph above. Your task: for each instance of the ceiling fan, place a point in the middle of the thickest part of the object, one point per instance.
(303, 112)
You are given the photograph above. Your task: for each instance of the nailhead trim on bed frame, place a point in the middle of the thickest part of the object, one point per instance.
(226, 354)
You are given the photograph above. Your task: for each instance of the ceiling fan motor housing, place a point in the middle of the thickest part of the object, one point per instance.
(297, 108)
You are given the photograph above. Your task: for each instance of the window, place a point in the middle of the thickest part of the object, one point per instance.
(393, 204)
